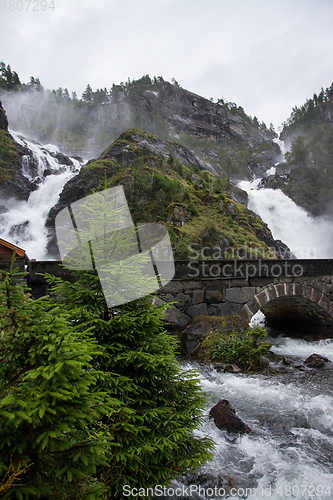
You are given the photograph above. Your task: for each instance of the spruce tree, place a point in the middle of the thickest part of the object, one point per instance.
(52, 441)
(87, 95)
(156, 439)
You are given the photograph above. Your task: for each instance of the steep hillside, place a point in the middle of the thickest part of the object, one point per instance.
(220, 132)
(166, 183)
(308, 168)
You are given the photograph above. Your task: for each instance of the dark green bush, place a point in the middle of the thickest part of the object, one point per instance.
(232, 341)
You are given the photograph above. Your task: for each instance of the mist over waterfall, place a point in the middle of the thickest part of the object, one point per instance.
(307, 237)
(23, 222)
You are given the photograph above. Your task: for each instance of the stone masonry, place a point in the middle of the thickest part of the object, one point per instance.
(287, 289)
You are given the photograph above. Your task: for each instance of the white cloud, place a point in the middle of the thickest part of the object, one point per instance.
(265, 56)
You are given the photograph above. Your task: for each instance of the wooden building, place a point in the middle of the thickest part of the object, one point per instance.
(7, 249)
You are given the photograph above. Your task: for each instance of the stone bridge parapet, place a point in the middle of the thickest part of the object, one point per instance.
(291, 289)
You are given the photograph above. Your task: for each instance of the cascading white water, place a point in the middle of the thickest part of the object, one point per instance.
(307, 237)
(24, 222)
(289, 450)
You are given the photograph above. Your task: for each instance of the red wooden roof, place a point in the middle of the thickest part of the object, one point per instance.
(20, 253)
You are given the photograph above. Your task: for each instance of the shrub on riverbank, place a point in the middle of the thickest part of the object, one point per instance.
(232, 341)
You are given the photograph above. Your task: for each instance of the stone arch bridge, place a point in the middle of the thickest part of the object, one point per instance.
(290, 292)
(297, 291)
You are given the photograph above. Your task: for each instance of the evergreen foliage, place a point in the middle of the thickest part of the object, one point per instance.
(156, 441)
(163, 404)
(82, 417)
(8, 79)
(232, 341)
(302, 119)
(311, 161)
(50, 401)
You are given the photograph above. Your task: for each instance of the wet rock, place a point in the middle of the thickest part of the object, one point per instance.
(3, 209)
(193, 335)
(21, 231)
(19, 186)
(238, 195)
(231, 368)
(219, 367)
(3, 118)
(275, 358)
(316, 361)
(282, 251)
(224, 415)
(60, 170)
(47, 172)
(264, 361)
(78, 158)
(63, 159)
(179, 216)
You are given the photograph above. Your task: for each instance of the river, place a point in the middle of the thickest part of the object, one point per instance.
(289, 409)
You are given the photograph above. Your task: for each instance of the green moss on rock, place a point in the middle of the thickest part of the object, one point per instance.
(8, 154)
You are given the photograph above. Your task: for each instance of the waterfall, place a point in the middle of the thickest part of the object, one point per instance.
(308, 237)
(23, 222)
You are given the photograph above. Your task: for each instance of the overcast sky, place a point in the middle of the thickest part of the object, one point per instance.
(265, 55)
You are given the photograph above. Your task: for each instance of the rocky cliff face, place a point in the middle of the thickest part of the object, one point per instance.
(178, 114)
(166, 183)
(215, 131)
(12, 182)
(3, 118)
(183, 111)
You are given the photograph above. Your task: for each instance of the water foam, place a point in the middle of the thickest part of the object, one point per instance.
(307, 237)
(24, 222)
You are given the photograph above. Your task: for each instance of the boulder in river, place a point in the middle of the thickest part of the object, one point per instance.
(316, 361)
(225, 417)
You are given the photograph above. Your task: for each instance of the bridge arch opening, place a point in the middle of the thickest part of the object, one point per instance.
(297, 308)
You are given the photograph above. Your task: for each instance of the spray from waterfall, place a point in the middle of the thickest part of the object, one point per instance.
(308, 237)
(23, 222)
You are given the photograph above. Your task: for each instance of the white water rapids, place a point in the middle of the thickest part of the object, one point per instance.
(24, 222)
(290, 449)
